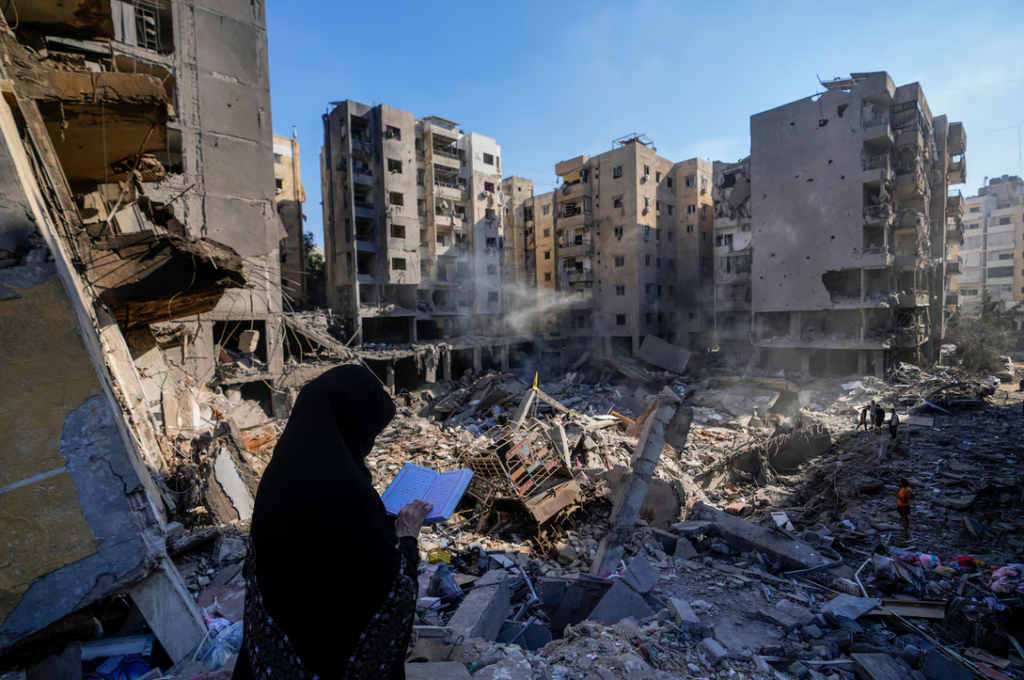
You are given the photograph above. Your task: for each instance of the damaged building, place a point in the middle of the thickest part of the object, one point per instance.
(636, 261)
(290, 195)
(733, 255)
(140, 297)
(413, 226)
(852, 218)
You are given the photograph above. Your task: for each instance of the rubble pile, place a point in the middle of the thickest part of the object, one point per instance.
(765, 545)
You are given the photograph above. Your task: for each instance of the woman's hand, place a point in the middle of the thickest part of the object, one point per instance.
(410, 519)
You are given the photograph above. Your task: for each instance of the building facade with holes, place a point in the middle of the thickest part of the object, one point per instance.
(855, 228)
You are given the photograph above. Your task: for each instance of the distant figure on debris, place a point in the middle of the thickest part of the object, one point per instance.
(1020, 387)
(894, 423)
(903, 498)
(879, 418)
(331, 581)
(863, 419)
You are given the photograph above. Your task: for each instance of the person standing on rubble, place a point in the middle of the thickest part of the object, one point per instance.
(863, 419)
(879, 418)
(894, 423)
(903, 498)
(331, 583)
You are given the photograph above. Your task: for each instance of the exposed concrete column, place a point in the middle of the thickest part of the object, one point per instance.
(504, 358)
(879, 364)
(389, 375)
(863, 284)
(430, 372)
(794, 324)
(862, 362)
(607, 345)
(805, 361)
(636, 344)
(446, 365)
(478, 359)
(412, 329)
(164, 601)
(627, 506)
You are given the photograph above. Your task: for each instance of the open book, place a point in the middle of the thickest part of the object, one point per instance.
(443, 490)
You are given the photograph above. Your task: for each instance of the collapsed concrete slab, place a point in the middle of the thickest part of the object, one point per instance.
(147, 277)
(742, 535)
(664, 355)
(485, 608)
(619, 603)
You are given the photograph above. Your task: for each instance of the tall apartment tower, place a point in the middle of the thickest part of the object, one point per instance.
(734, 251)
(623, 250)
(520, 256)
(290, 197)
(216, 174)
(413, 225)
(993, 250)
(851, 214)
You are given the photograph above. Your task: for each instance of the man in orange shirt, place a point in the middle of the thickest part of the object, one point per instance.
(903, 498)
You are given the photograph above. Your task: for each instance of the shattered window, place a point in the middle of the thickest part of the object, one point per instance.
(489, 160)
(620, 319)
(620, 290)
(617, 172)
(617, 202)
(620, 261)
(547, 276)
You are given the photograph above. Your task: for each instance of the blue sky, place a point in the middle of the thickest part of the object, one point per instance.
(551, 81)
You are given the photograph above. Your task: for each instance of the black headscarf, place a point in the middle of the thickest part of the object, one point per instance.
(325, 549)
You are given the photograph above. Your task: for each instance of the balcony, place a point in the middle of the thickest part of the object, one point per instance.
(907, 258)
(954, 231)
(952, 299)
(362, 175)
(445, 157)
(877, 256)
(877, 167)
(573, 220)
(365, 209)
(956, 139)
(909, 337)
(732, 305)
(362, 142)
(581, 245)
(570, 191)
(913, 299)
(446, 190)
(580, 301)
(910, 137)
(877, 131)
(877, 214)
(741, 333)
(580, 275)
(953, 265)
(956, 173)
(955, 203)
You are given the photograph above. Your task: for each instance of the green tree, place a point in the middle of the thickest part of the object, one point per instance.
(982, 340)
(316, 276)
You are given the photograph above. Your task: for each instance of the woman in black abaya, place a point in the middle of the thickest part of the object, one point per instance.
(331, 582)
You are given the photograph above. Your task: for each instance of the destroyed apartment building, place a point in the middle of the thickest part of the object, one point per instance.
(854, 227)
(140, 295)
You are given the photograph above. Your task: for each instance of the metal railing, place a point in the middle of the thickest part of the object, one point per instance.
(577, 275)
(570, 211)
(446, 154)
(877, 162)
(877, 212)
(365, 205)
(366, 237)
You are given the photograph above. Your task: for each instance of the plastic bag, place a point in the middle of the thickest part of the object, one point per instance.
(215, 651)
